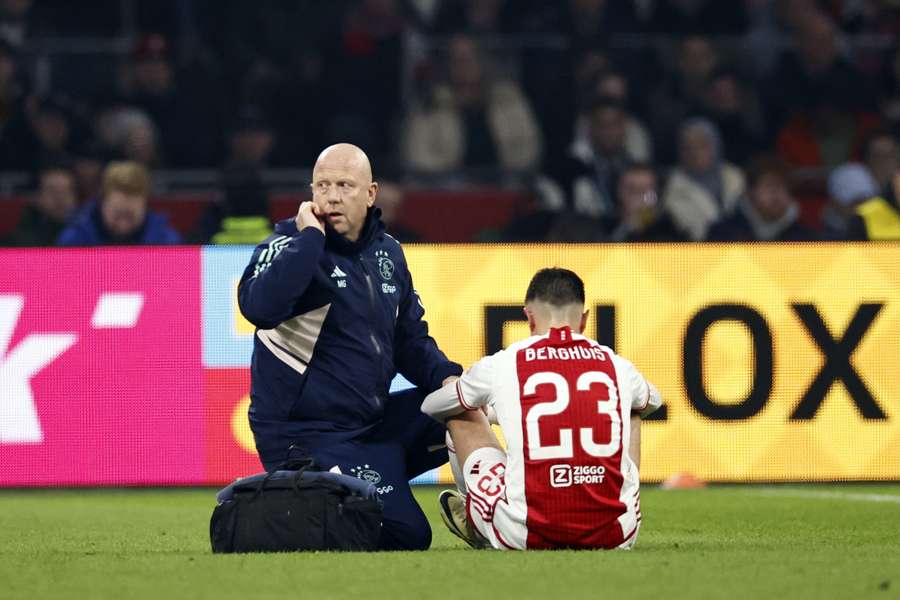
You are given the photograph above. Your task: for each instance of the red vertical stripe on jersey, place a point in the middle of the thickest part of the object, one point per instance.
(570, 515)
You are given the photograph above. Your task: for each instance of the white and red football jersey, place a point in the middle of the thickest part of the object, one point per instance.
(564, 404)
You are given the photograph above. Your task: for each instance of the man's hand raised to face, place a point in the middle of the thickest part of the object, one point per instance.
(310, 215)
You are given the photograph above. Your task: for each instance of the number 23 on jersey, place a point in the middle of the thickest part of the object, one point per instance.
(585, 423)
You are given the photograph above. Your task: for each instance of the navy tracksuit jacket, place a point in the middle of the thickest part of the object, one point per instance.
(336, 320)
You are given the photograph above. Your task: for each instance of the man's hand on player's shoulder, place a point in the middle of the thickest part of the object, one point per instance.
(310, 215)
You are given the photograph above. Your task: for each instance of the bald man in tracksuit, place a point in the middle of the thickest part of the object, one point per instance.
(337, 317)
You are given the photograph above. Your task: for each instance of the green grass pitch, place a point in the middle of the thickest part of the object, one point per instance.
(732, 542)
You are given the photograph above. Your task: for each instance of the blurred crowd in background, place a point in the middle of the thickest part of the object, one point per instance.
(620, 120)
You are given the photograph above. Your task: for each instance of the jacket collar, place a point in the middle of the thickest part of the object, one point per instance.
(372, 229)
(768, 230)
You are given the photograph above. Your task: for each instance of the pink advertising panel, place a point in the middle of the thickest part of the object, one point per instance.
(101, 377)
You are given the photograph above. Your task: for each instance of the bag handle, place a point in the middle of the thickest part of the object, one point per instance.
(298, 460)
(295, 479)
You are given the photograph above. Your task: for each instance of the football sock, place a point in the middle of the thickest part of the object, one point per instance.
(455, 467)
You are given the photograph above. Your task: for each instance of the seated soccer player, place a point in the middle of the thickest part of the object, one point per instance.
(570, 411)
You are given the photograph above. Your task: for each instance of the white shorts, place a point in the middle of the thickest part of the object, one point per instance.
(484, 474)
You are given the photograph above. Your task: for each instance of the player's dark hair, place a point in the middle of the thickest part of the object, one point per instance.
(559, 287)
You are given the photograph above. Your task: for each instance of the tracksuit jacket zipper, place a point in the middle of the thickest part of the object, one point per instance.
(375, 345)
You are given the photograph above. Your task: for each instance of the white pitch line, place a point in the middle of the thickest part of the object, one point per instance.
(829, 495)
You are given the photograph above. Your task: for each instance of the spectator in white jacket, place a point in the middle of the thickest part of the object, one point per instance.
(472, 121)
(703, 188)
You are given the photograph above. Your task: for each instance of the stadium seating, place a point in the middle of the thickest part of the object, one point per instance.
(438, 216)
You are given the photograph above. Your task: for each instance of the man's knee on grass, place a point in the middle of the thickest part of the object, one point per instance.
(412, 534)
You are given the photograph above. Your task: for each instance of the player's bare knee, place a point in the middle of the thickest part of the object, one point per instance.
(470, 430)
